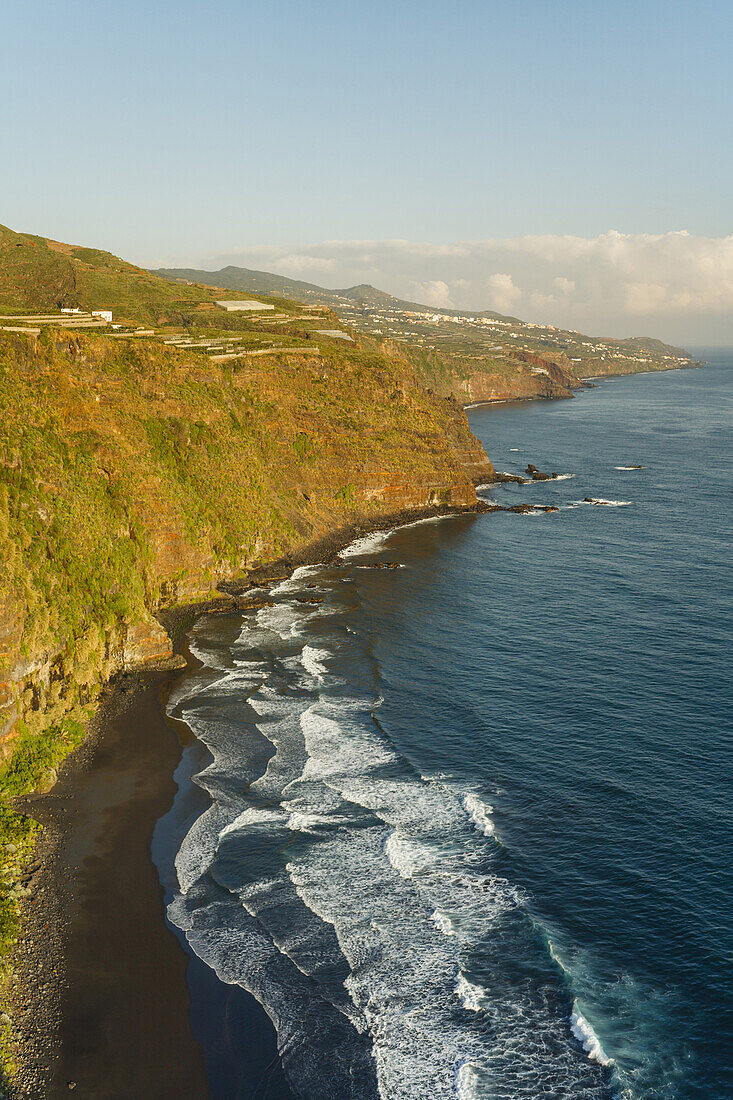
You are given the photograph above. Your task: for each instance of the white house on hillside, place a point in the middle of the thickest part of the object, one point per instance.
(249, 305)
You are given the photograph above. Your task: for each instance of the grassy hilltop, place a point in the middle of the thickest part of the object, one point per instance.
(38, 275)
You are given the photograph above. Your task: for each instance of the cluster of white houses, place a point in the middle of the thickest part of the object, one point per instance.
(103, 314)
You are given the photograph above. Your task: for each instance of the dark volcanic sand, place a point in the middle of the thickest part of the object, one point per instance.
(116, 1020)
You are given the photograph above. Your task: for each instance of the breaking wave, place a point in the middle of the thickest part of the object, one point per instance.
(348, 893)
(479, 814)
(367, 544)
(471, 996)
(587, 1037)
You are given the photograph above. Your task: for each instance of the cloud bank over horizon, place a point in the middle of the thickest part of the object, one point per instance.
(674, 285)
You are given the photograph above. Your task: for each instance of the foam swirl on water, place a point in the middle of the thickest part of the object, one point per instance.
(479, 814)
(347, 892)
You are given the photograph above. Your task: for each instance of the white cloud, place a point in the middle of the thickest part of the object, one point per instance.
(502, 293)
(433, 293)
(671, 284)
(296, 265)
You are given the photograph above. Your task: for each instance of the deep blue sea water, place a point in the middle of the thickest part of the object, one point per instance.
(469, 821)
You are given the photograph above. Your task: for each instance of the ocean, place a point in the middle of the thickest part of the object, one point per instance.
(463, 828)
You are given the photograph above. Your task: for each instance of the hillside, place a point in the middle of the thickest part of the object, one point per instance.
(476, 356)
(140, 475)
(38, 275)
(141, 468)
(265, 282)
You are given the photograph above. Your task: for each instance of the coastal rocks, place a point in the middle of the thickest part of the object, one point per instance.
(522, 509)
(533, 474)
(252, 603)
(532, 509)
(537, 475)
(506, 478)
(147, 645)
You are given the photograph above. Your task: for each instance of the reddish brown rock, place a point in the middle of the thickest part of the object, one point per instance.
(147, 645)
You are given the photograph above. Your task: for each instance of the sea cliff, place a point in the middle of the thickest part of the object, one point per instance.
(133, 478)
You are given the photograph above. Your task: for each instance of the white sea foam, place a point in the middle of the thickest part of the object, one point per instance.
(424, 520)
(629, 467)
(479, 814)
(562, 477)
(443, 922)
(303, 823)
(295, 581)
(366, 544)
(587, 1037)
(467, 1082)
(312, 660)
(471, 996)
(514, 448)
(407, 855)
(602, 500)
(282, 620)
(387, 874)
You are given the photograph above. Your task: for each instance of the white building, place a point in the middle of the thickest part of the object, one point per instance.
(104, 315)
(248, 306)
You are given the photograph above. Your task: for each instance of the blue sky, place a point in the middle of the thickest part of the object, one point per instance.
(173, 132)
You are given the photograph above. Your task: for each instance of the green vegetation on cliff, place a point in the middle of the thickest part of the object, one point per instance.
(139, 474)
(134, 475)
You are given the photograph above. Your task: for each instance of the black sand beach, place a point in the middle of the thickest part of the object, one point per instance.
(100, 994)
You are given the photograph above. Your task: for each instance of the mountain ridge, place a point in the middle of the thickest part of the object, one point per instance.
(251, 279)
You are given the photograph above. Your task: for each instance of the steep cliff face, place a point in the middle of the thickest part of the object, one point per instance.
(517, 375)
(532, 376)
(133, 476)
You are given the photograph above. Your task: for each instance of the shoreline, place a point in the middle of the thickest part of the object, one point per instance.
(588, 381)
(636, 373)
(100, 997)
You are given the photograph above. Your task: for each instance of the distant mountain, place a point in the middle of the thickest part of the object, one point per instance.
(265, 282)
(364, 297)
